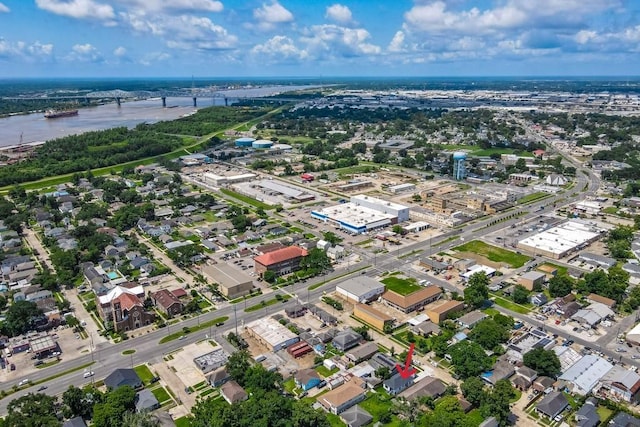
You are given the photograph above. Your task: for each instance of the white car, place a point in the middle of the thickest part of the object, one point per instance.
(88, 374)
(23, 382)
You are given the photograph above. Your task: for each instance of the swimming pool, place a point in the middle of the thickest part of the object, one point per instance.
(112, 275)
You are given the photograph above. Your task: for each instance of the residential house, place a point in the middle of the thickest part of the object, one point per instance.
(146, 401)
(167, 302)
(75, 422)
(346, 339)
(356, 417)
(501, 371)
(343, 397)
(604, 300)
(426, 328)
(624, 420)
(218, 377)
(233, 393)
(469, 320)
(587, 415)
(306, 379)
(428, 386)
(121, 377)
(542, 383)
(539, 299)
(362, 352)
(552, 404)
(397, 384)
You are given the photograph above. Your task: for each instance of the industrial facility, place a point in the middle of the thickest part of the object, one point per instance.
(559, 241)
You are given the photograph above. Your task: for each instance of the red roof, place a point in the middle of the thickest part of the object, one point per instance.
(179, 293)
(128, 301)
(165, 298)
(280, 255)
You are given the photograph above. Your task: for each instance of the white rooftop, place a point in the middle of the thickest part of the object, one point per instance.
(353, 214)
(479, 269)
(271, 331)
(562, 238)
(119, 290)
(586, 372)
(369, 199)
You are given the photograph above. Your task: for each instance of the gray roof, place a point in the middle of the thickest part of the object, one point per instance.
(598, 260)
(360, 285)
(552, 404)
(397, 382)
(145, 400)
(428, 386)
(346, 339)
(586, 372)
(75, 422)
(123, 376)
(587, 415)
(356, 417)
(362, 351)
(532, 275)
(490, 422)
(472, 318)
(624, 420)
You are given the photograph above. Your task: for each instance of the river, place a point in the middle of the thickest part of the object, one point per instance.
(34, 127)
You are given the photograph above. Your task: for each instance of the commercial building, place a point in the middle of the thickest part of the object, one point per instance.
(289, 192)
(633, 336)
(583, 376)
(413, 301)
(402, 188)
(232, 281)
(262, 144)
(211, 361)
(370, 315)
(593, 314)
(440, 313)
(622, 384)
(597, 260)
(271, 333)
(532, 279)
(281, 261)
(559, 241)
(360, 289)
(219, 180)
(363, 213)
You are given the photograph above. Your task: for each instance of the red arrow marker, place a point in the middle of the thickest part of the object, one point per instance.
(406, 371)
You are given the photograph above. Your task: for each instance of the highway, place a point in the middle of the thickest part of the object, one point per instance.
(108, 356)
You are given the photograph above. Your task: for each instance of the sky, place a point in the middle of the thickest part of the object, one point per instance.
(318, 38)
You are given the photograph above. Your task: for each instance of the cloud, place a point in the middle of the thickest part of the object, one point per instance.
(183, 31)
(154, 57)
(323, 41)
(120, 51)
(270, 15)
(397, 42)
(279, 49)
(79, 9)
(84, 53)
(35, 51)
(173, 5)
(4, 9)
(339, 13)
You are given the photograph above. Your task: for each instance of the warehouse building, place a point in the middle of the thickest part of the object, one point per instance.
(532, 279)
(633, 336)
(232, 281)
(441, 312)
(560, 241)
(271, 333)
(413, 301)
(219, 180)
(370, 315)
(275, 188)
(360, 289)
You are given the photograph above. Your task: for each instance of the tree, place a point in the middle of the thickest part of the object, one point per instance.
(520, 294)
(32, 410)
(497, 402)
(111, 412)
(544, 362)
(501, 319)
(560, 285)
(74, 400)
(488, 333)
(140, 419)
(477, 290)
(238, 366)
(469, 359)
(316, 259)
(331, 237)
(383, 373)
(21, 317)
(473, 390)
(269, 276)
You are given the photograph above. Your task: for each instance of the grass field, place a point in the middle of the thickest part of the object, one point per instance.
(533, 197)
(401, 286)
(144, 373)
(192, 329)
(509, 305)
(161, 394)
(246, 199)
(322, 370)
(183, 422)
(267, 303)
(493, 253)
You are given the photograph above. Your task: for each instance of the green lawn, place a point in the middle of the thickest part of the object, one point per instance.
(183, 421)
(161, 394)
(377, 404)
(561, 269)
(604, 413)
(401, 286)
(533, 197)
(322, 370)
(144, 373)
(246, 199)
(128, 352)
(509, 305)
(493, 253)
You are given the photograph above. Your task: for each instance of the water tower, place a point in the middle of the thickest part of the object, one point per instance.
(459, 168)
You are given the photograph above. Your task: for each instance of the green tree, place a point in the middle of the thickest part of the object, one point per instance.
(473, 390)
(501, 319)
(488, 333)
(469, 359)
(269, 276)
(544, 362)
(331, 237)
(520, 294)
(117, 403)
(21, 317)
(238, 365)
(497, 402)
(477, 290)
(141, 419)
(316, 260)
(32, 410)
(560, 285)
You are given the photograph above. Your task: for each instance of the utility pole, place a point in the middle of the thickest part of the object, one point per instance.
(235, 316)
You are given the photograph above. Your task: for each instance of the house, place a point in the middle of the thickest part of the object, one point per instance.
(219, 377)
(524, 378)
(167, 302)
(469, 320)
(233, 393)
(501, 371)
(426, 328)
(306, 379)
(397, 384)
(362, 352)
(542, 383)
(539, 299)
(75, 422)
(356, 417)
(146, 401)
(587, 415)
(624, 420)
(520, 383)
(281, 261)
(121, 377)
(552, 404)
(413, 301)
(428, 386)
(346, 339)
(343, 397)
(604, 300)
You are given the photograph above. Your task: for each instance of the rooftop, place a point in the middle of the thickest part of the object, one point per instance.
(416, 297)
(280, 255)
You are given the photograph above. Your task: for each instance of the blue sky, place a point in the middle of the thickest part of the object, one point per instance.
(314, 38)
